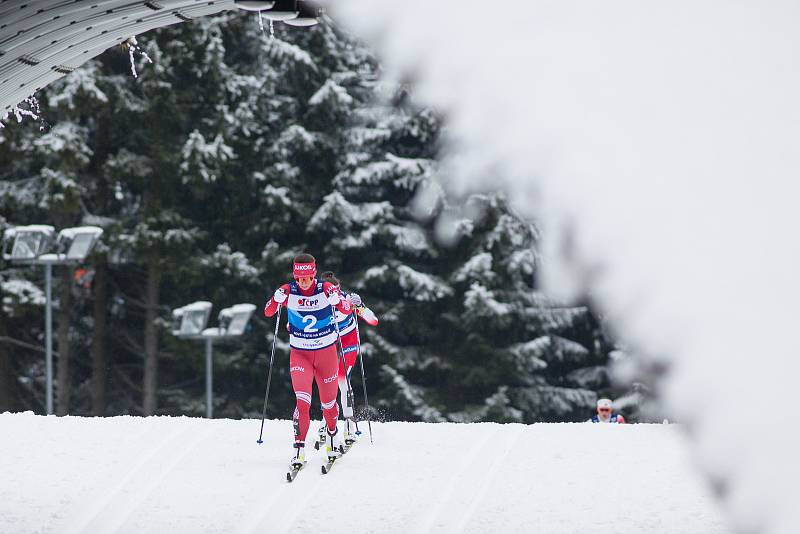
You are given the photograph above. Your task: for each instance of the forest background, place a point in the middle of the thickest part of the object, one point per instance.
(229, 154)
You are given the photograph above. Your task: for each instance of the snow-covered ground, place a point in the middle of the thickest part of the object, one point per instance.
(182, 475)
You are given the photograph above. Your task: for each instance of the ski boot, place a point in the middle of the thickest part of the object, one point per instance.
(299, 457)
(334, 448)
(322, 436)
(350, 431)
(297, 462)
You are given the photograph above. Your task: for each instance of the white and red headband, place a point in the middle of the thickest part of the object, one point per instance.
(304, 269)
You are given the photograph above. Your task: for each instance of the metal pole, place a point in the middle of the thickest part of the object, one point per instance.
(209, 379)
(364, 383)
(269, 375)
(48, 328)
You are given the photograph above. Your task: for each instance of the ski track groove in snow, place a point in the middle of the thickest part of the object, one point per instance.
(467, 474)
(118, 506)
(482, 485)
(286, 522)
(131, 475)
(263, 520)
(263, 510)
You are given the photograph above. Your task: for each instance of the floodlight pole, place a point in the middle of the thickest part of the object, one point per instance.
(209, 378)
(48, 328)
(186, 330)
(48, 260)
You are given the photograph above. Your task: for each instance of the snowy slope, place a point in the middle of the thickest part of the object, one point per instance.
(175, 475)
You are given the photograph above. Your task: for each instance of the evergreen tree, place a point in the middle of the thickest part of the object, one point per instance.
(228, 155)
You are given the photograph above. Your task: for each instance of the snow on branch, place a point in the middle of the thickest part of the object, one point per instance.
(412, 396)
(422, 287)
(20, 292)
(278, 49)
(331, 92)
(32, 110)
(233, 264)
(337, 212)
(201, 157)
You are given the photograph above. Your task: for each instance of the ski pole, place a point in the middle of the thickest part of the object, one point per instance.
(341, 356)
(269, 375)
(364, 383)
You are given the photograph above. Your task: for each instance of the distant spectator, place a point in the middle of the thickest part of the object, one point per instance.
(605, 413)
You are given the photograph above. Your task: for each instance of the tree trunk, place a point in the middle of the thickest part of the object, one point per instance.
(99, 341)
(150, 381)
(8, 392)
(63, 370)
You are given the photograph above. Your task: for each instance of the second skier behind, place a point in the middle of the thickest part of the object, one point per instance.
(313, 354)
(350, 347)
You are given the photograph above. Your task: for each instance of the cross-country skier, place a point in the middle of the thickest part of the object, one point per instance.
(606, 414)
(350, 346)
(313, 355)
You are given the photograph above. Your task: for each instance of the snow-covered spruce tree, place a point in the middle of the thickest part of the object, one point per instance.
(44, 184)
(465, 335)
(232, 152)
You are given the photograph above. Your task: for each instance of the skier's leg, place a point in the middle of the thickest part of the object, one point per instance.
(347, 408)
(326, 373)
(302, 372)
(345, 386)
(349, 353)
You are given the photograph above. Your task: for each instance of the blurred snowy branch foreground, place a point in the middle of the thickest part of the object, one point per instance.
(657, 146)
(196, 476)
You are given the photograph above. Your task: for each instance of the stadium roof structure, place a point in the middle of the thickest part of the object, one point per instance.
(43, 40)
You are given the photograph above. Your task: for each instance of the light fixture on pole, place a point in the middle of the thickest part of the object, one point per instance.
(308, 14)
(189, 322)
(28, 245)
(282, 10)
(254, 5)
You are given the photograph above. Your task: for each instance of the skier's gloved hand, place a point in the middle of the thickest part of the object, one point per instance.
(333, 298)
(279, 296)
(355, 298)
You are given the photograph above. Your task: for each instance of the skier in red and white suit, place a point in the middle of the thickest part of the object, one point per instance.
(350, 346)
(313, 355)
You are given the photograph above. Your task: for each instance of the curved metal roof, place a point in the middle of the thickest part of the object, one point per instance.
(42, 40)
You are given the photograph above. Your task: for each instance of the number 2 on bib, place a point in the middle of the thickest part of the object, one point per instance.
(312, 321)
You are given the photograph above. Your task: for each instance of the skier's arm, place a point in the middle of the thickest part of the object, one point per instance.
(281, 294)
(335, 298)
(620, 419)
(362, 311)
(367, 315)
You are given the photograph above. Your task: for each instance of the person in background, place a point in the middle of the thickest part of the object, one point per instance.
(606, 414)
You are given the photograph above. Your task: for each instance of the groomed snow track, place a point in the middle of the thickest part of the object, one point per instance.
(42, 40)
(180, 475)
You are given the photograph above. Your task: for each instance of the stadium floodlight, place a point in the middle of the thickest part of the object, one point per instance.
(254, 5)
(26, 243)
(282, 10)
(308, 15)
(234, 320)
(75, 244)
(189, 322)
(30, 245)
